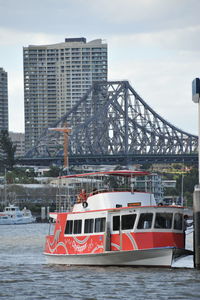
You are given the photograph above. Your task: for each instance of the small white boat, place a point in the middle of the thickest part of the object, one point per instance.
(13, 215)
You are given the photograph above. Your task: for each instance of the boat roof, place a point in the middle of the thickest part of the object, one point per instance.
(11, 206)
(124, 173)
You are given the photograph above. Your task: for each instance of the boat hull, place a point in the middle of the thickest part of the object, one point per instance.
(15, 221)
(147, 257)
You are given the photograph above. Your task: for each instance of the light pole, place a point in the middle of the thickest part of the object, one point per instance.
(196, 99)
(196, 195)
(182, 178)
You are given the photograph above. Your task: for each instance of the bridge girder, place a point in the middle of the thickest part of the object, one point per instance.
(112, 119)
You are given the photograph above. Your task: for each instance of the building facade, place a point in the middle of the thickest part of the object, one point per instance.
(3, 100)
(56, 77)
(18, 139)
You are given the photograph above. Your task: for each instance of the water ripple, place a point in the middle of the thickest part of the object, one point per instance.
(24, 274)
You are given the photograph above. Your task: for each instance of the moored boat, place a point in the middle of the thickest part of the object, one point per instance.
(13, 215)
(116, 223)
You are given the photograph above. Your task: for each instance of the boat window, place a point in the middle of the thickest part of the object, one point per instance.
(89, 226)
(100, 224)
(52, 226)
(163, 220)
(116, 222)
(77, 226)
(69, 226)
(178, 221)
(145, 221)
(128, 221)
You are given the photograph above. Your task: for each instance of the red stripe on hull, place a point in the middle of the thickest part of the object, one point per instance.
(128, 241)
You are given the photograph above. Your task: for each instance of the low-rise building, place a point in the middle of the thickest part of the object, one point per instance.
(18, 139)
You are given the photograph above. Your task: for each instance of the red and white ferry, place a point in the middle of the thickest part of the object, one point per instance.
(116, 225)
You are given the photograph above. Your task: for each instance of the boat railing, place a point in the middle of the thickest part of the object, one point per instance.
(66, 202)
(108, 190)
(105, 190)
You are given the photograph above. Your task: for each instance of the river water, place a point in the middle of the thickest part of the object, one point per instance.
(24, 273)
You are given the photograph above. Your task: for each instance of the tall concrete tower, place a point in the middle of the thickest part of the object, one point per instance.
(56, 77)
(3, 100)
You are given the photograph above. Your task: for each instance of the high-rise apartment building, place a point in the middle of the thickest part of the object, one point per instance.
(55, 78)
(3, 100)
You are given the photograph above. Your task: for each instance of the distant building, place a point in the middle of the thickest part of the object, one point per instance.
(3, 100)
(169, 183)
(18, 139)
(172, 200)
(56, 77)
(153, 183)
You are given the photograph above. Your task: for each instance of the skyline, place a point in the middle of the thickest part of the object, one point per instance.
(153, 44)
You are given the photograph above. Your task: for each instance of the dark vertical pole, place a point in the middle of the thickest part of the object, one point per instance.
(196, 214)
(196, 195)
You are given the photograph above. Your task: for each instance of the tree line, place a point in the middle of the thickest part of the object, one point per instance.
(7, 151)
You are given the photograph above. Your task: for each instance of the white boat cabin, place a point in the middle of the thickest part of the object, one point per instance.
(107, 200)
(13, 210)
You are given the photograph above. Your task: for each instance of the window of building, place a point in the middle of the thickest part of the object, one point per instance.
(145, 221)
(128, 221)
(178, 221)
(163, 220)
(100, 224)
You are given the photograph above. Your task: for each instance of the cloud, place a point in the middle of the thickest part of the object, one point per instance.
(12, 37)
(185, 39)
(98, 17)
(160, 66)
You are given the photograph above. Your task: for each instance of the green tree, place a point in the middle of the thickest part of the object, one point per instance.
(22, 176)
(7, 151)
(54, 171)
(146, 166)
(189, 181)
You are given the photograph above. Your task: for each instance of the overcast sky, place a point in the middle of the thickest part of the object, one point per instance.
(152, 43)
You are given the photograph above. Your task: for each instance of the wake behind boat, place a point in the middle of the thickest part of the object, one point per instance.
(115, 224)
(13, 215)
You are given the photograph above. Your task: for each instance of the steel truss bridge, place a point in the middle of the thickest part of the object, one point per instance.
(112, 124)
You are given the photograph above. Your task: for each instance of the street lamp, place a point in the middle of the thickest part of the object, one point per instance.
(196, 195)
(196, 99)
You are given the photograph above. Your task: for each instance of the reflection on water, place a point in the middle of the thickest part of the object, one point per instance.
(24, 273)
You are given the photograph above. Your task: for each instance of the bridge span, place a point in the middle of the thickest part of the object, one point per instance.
(191, 159)
(112, 124)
